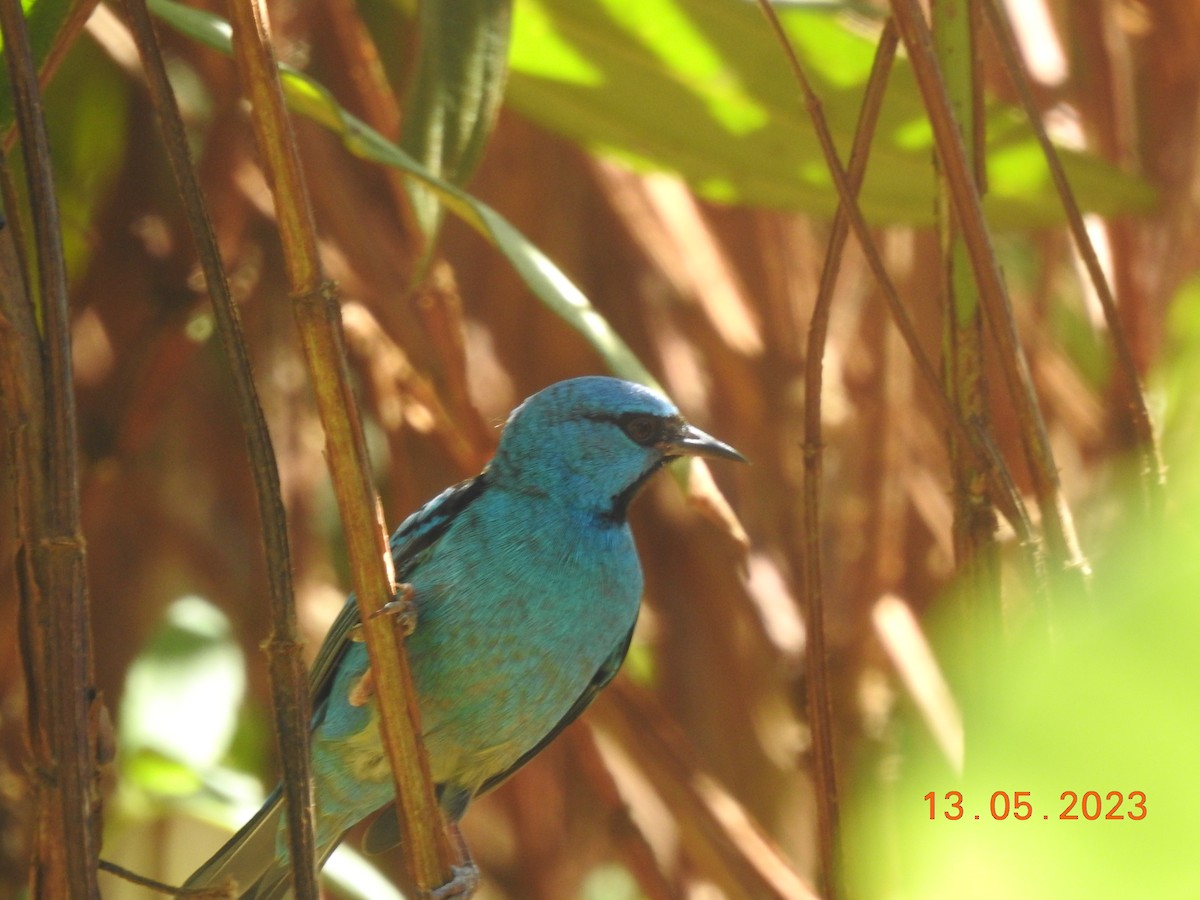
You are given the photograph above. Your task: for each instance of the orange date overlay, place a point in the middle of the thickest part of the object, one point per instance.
(1091, 806)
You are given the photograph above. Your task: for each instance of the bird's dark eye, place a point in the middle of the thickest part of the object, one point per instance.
(641, 429)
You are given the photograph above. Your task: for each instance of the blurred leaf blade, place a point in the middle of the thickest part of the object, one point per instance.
(179, 709)
(44, 19)
(1105, 707)
(543, 277)
(698, 88)
(88, 112)
(453, 100)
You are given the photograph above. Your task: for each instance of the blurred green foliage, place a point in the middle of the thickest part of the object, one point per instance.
(1097, 694)
(700, 88)
(87, 113)
(182, 695)
(455, 95)
(1107, 705)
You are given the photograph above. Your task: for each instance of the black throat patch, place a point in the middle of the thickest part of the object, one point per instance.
(618, 512)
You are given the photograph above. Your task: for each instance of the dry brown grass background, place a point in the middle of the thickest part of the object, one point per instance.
(716, 301)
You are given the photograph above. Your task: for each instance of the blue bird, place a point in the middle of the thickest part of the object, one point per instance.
(527, 586)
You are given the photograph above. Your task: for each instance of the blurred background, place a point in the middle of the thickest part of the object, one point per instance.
(660, 155)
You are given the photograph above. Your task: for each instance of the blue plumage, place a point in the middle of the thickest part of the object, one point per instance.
(527, 586)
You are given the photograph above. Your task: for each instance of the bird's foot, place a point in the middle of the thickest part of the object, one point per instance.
(403, 612)
(402, 609)
(464, 883)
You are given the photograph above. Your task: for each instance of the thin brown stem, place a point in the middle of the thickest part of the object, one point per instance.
(1152, 472)
(54, 608)
(1010, 502)
(14, 225)
(152, 884)
(288, 675)
(318, 316)
(850, 216)
(816, 663)
(957, 170)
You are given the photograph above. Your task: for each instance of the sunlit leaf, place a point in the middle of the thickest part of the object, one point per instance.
(700, 88)
(43, 19)
(182, 693)
(541, 275)
(452, 102)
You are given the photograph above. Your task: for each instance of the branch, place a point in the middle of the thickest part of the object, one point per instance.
(289, 681)
(319, 320)
(976, 552)
(56, 633)
(1153, 473)
(1001, 482)
(958, 172)
(849, 216)
(820, 701)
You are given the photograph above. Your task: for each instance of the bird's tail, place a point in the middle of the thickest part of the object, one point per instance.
(251, 858)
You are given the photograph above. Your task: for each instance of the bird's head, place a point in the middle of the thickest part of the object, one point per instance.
(593, 442)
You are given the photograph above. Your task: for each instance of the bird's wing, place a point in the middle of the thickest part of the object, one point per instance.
(605, 674)
(249, 856)
(384, 832)
(415, 536)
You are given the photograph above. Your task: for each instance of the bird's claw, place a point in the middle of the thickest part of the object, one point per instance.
(464, 882)
(402, 609)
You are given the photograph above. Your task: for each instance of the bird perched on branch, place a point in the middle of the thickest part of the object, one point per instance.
(526, 584)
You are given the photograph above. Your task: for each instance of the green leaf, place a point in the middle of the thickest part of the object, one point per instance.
(452, 102)
(87, 108)
(1106, 703)
(546, 280)
(610, 881)
(182, 694)
(700, 88)
(1174, 382)
(43, 19)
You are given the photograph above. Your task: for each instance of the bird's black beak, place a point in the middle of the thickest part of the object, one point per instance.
(691, 441)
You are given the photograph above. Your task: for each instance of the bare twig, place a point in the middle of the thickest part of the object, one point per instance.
(957, 169)
(56, 628)
(224, 892)
(974, 528)
(318, 317)
(817, 683)
(289, 680)
(1009, 500)
(850, 216)
(1153, 474)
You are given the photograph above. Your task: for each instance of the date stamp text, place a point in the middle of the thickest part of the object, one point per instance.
(1090, 806)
